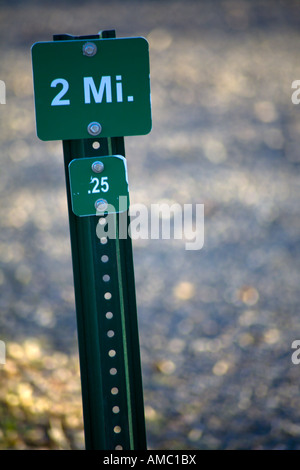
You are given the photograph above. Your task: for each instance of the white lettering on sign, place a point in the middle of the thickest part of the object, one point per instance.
(57, 100)
(104, 92)
(119, 89)
(89, 86)
(104, 185)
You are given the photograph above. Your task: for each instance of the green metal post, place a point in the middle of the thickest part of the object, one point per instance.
(111, 379)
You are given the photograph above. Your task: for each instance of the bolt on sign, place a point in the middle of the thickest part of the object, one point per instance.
(92, 88)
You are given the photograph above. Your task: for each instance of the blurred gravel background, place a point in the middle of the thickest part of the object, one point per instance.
(216, 325)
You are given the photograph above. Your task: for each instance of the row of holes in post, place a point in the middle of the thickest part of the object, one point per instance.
(110, 333)
(109, 316)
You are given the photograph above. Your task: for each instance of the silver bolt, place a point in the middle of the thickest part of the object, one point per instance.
(94, 128)
(89, 49)
(97, 167)
(101, 205)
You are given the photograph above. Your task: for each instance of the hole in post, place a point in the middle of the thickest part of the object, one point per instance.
(110, 333)
(119, 447)
(109, 315)
(104, 258)
(112, 353)
(114, 391)
(106, 277)
(116, 410)
(102, 221)
(113, 371)
(103, 240)
(117, 429)
(107, 295)
(96, 145)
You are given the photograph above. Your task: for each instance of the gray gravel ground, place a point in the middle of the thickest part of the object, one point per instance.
(217, 324)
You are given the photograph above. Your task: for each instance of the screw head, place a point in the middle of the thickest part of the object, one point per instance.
(94, 128)
(101, 205)
(97, 167)
(89, 49)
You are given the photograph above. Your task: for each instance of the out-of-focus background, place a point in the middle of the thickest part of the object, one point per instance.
(216, 325)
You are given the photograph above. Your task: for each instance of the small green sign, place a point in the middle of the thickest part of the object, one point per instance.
(88, 88)
(99, 185)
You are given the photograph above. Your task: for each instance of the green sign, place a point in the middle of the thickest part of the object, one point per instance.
(88, 88)
(99, 185)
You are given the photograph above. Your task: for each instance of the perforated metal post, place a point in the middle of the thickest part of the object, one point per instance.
(109, 351)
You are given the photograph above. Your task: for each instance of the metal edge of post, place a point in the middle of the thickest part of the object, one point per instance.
(86, 314)
(131, 320)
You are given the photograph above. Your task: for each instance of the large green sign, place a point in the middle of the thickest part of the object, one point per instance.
(89, 88)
